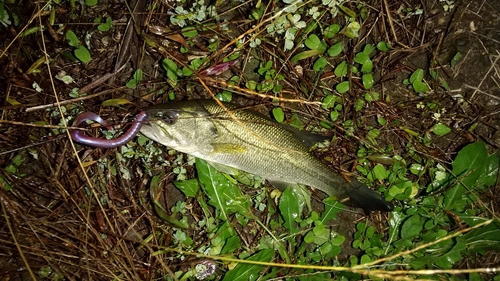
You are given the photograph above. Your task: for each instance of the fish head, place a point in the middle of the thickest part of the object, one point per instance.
(184, 128)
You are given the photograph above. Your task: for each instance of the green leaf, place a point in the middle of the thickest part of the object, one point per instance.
(115, 102)
(82, 54)
(171, 68)
(482, 239)
(304, 55)
(313, 42)
(224, 195)
(332, 30)
(383, 46)
(189, 32)
(90, 3)
(72, 39)
(380, 172)
(189, 187)
(320, 64)
(289, 210)
(417, 75)
(156, 192)
(105, 26)
(369, 48)
(447, 260)
(342, 87)
(367, 80)
(335, 50)
(468, 167)
(328, 102)
(361, 58)
(350, 13)
(341, 69)
(247, 271)
(367, 66)
(136, 79)
(278, 114)
(455, 59)
(332, 208)
(352, 30)
(490, 174)
(441, 129)
(420, 87)
(412, 227)
(334, 115)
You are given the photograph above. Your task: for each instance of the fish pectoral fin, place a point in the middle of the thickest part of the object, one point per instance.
(228, 148)
(280, 185)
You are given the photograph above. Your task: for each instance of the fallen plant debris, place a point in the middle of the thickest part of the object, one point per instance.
(407, 90)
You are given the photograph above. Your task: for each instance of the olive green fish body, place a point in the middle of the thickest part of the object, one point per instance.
(249, 141)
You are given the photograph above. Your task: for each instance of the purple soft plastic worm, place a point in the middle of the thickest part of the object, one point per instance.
(80, 137)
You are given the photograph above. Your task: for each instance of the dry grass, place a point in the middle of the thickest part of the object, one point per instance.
(66, 210)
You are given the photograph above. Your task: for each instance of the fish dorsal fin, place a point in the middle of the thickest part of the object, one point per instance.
(308, 139)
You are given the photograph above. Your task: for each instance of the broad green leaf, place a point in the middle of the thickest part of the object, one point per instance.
(417, 75)
(447, 260)
(490, 174)
(82, 54)
(342, 87)
(328, 102)
(380, 172)
(90, 2)
(289, 209)
(468, 167)
(332, 30)
(482, 239)
(420, 87)
(232, 244)
(395, 221)
(341, 69)
(72, 39)
(412, 227)
(224, 195)
(105, 26)
(278, 114)
(367, 67)
(320, 64)
(361, 58)
(383, 46)
(441, 129)
(367, 80)
(335, 50)
(313, 42)
(247, 271)
(332, 208)
(189, 187)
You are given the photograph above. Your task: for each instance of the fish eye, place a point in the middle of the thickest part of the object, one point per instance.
(166, 117)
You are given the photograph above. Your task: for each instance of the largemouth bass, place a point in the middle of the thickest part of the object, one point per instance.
(247, 140)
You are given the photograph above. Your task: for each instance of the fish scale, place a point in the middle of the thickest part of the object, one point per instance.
(253, 143)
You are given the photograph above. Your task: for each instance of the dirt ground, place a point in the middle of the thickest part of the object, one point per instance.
(44, 192)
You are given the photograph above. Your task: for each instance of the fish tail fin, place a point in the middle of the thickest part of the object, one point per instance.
(363, 197)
